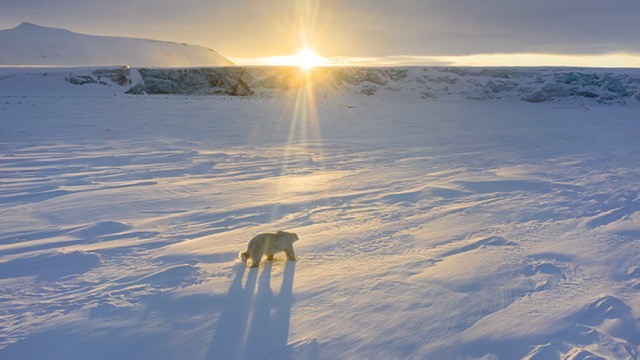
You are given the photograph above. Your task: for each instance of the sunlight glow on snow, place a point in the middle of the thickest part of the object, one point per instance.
(300, 106)
(300, 113)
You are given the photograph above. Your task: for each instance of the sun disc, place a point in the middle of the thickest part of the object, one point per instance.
(308, 59)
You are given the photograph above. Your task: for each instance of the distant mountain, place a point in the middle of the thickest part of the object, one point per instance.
(30, 44)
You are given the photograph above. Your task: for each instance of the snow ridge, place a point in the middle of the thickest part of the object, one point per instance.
(577, 86)
(447, 83)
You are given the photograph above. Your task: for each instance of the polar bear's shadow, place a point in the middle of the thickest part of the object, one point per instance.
(254, 322)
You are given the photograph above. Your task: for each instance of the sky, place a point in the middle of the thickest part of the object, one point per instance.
(413, 32)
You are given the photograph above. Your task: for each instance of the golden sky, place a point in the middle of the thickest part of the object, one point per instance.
(366, 32)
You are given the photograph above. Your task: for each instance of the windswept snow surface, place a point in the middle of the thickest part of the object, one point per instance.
(428, 228)
(31, 44)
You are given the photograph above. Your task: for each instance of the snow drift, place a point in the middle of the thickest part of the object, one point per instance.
(30, 44)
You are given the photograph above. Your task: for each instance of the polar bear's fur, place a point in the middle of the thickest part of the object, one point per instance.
(269, 244)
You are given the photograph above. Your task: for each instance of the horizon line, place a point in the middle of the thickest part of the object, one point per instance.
(612, 60)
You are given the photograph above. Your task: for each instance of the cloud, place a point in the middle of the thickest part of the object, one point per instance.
(353, 28)
(461, 27)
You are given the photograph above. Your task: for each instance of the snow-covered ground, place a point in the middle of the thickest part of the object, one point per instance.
(428, 228)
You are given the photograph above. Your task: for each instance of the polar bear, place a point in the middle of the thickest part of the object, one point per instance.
(269, 244)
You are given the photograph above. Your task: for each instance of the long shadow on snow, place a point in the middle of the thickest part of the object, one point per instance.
(228, 336)
(252, 326)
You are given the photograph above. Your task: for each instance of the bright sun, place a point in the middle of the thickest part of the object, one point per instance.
(307, 59)
(304, 59)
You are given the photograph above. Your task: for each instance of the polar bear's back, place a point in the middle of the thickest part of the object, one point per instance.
(264, 240)
(271, 243)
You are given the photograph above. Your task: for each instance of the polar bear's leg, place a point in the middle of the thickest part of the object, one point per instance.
(270, 257)
(289, 251)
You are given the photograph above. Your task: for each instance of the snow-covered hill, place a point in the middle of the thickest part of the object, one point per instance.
(30, 44)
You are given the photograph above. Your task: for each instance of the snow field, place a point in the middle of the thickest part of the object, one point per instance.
(428, 229)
